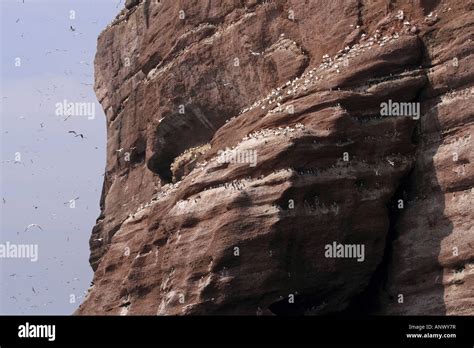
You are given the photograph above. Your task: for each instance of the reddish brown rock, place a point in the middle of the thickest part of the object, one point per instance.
(294, 88)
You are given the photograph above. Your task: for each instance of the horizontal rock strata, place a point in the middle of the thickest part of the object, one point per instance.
(246, 136)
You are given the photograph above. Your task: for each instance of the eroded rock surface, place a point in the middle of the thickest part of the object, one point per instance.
(299, 86)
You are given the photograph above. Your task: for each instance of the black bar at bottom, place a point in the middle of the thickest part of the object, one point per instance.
(136, 330)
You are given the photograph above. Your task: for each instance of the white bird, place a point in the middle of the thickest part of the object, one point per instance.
(72, 200)
(254, 53)
(31, 226)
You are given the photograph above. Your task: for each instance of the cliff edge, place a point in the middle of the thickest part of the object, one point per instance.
(245, 139)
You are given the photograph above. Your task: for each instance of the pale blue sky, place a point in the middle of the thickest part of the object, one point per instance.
(56, 64)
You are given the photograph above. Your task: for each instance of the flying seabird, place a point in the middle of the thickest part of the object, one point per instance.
(75, 199)
(77, 134)
(31, 226)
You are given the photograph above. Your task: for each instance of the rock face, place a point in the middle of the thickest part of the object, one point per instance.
(245, 137)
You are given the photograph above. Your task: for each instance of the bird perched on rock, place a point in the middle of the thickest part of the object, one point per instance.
(254, 53)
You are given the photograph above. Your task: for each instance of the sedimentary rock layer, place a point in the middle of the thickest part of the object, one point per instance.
(297, 86)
